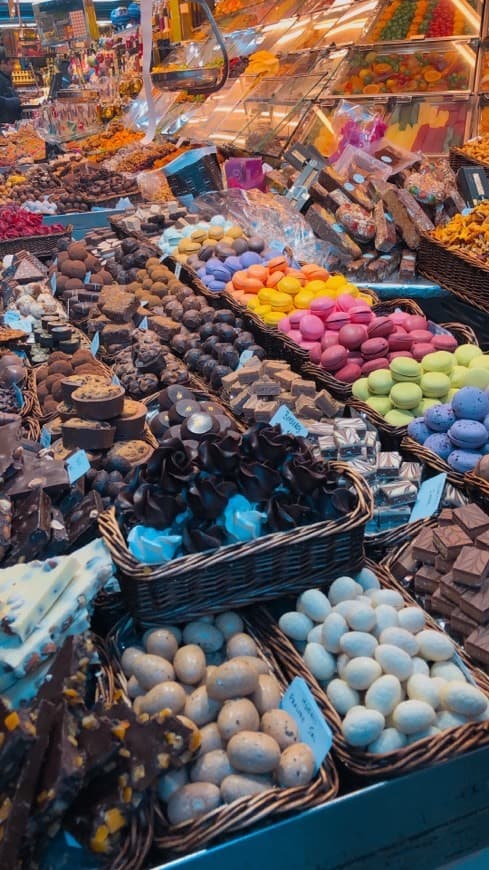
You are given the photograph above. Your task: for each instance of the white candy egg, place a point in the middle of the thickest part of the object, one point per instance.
(319, 661)
(295, 625)
(343, 589)
(314, 604)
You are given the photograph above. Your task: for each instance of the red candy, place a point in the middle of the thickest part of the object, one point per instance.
(396, 353)
(374, 348)
(322, 307)
(315, 353)
(352, 335)
(444, 342)
(334, 358)
(399, 341)
(329, 339)
(361, 314)
(420, 349)
(380, 327)
(424, 335)
(337, 320)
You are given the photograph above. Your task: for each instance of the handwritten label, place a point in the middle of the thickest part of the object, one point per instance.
(45, 439)
(144, 323)
(18, 396)
(245, 356)
(77, 465)
(429, 497)
(178, 271)
(95, 343)
(288, 422)
(14, 320)
(299, 703)
(52, 282)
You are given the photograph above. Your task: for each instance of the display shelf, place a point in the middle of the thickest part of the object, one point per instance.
(418, 19)
(399, 69)
(425, 819)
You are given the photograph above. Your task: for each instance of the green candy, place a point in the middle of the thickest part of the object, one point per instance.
(423, 406)
(406, 396)
(434, 385)
(380, 383)
(381, 404)
(439, 361)
(360, 389)
(403, 368)
(399, 418)
(479, 362)
(458, 377)
(477, 378)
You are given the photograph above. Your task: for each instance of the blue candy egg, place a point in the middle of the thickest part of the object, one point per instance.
(463, 460)
(468, 433)
(470, 403)
(439, 444)
(418, 430)
(250, 258)
(440, 417)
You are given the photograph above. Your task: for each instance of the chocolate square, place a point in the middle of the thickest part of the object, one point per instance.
(476, 604)
(461, 623)
(443, 565)
(423, 547)
(440, 604)
(449, 541)
(471, 566)
(450, 589)
(445, 518)
(405, 564)
(426, 579)
(482, 541)
(472, 519)
(477, 645)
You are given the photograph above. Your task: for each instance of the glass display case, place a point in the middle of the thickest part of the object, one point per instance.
(418, 19)
(415, 69)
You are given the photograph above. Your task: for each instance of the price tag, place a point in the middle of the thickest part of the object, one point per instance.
(95, 344)
(299, 703)
(143, 303)
(178, 271)
(429, 497)
(21, 353)
(116, 381)
(18, 396)
(52, 281)
(144, 323)
(245, 356)
(87, 277)
(14, 320)
(288, 422)
(45, 439)
(77, 465)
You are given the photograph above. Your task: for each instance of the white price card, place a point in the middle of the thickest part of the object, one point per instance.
(299, 703)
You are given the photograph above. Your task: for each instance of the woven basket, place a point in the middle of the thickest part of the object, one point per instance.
(464, 276)
(458, 158)
(40, 246)
(240, 574)
(446, 745)
(247, 811)
(392, 435)
(474, 486)
(382, 543)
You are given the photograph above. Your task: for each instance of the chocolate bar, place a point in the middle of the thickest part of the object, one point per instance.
(405, 564)
(31, 526)
(407, 267)
(400, 493)
(483, 541)
(449, 541)
(443, 565)
(477, 645)
(461, 623)
(471, 566)
(411, 471)
(83, 518)
(472, 520)
(348, 442)
(398, 210)
(385, 237)
(17, 732)
(476, 604)
(445, 518)
(325, 225)
(423, 547)
(440, 604)
(388, 465)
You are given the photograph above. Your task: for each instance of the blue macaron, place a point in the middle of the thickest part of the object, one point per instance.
(468, 434)
(439, 444)
(418, 430)
(463, 460)
(470, 403)
(440, 417)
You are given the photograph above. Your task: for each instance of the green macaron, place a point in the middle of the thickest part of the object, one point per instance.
(434, 385)
(439, 361)
(380, 383)
(381, 404)
(403, 368)
(360, 389)
(399, 418)
(406, 396)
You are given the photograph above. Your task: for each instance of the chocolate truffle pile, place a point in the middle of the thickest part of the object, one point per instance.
(450, 567)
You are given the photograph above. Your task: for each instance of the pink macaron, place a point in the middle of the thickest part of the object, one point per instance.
(418, 335)
(295, 335)
(421, 349)
(399, 341)
(361, 313)
(329, 339)
(398, 318)
(355, 357)
(415, 321)
(322, 306)
(311, 327)
(373, 365)
(284, 325)
(308, 345)
(398, 353)
(380, 327)
(345, 302)
(374, 348)
(445, 342)
(315, 353)
(295, 318)
(336, 320)
(352, 335)
(334, 358)
(349, 373)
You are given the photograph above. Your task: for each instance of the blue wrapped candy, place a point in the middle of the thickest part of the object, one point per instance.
(153, 546)
(242, 522)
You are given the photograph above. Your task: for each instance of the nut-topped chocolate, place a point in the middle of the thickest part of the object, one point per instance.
(98, 401)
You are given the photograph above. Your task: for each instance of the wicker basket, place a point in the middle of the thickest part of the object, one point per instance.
(247, 811)
(458, 158)
(40, 246)
(474, 486)
(441, 747)
(240, 574)
(464, 276)
(392, 435)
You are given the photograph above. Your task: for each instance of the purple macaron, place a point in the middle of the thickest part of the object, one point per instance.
(470, 403)
(468, 434)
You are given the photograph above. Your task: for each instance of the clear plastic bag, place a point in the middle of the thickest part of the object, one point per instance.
(274, 218)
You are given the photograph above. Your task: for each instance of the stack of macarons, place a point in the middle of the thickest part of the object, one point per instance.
(408, 389)
(458, 431)
(350, 341)
(297, 301)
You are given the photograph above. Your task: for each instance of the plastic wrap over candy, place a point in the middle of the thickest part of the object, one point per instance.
(242, 522)
(152, 546)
